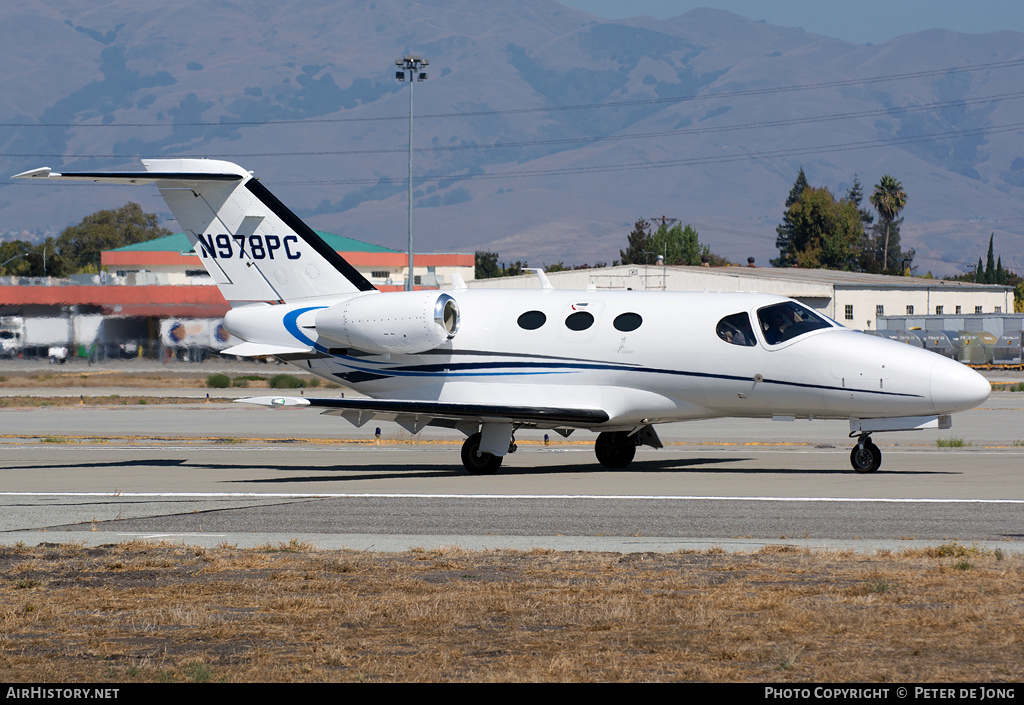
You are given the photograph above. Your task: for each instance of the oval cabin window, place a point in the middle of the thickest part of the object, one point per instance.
(532, 320)
(581, 320)
(627, 322)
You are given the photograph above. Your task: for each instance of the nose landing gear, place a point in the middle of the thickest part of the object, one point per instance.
(865, 456)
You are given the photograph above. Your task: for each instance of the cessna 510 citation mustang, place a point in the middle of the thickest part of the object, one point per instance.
(491, 362)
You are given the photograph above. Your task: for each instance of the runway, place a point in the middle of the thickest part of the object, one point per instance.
(223, 473)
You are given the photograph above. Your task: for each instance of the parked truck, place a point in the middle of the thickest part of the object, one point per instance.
(47, 336)
(12, 335)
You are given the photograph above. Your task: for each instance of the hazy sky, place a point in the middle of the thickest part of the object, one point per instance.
(860, 21)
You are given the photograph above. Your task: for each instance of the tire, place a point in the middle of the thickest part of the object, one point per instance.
(615, 450)
(866, 459)
(475, 462)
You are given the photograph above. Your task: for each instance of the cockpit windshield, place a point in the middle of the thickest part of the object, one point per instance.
(787, 320)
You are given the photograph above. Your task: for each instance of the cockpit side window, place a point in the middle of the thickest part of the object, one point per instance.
(736, 330)
(785, 321)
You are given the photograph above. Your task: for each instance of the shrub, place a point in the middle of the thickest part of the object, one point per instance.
(218, 381)
(285, 382)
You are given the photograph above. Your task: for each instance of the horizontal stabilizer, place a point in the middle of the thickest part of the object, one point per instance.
(129, 177)
(456, 411)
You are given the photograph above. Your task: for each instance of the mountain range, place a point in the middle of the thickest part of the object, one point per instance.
(542, 132)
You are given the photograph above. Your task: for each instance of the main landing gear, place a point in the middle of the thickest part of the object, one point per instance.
(477, 463)
(616, 449)
(865, 456)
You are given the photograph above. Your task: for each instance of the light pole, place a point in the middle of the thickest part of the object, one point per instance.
(14, 258)
(412, 65)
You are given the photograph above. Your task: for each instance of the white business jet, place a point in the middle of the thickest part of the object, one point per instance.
(490, 362)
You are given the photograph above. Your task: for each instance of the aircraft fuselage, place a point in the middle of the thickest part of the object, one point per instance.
(550, 347)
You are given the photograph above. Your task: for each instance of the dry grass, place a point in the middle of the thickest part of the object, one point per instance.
(101, 378)
(139, 612)
(76, 387)
(29, 402)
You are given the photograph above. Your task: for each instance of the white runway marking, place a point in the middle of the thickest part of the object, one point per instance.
(423, 495)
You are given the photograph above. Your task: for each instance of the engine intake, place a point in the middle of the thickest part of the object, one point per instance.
(406, 322)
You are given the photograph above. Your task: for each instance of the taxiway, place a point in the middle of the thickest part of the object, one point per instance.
(210, 473)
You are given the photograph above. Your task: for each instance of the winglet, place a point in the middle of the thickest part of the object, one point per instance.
(40, 173)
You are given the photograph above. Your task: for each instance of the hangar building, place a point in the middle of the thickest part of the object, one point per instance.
(856, 300)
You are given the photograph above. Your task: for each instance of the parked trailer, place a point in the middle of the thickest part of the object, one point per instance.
(938, 342)
(32, 335)
(1007, 350)
(976, 347)
(908, 337)
(193, 339)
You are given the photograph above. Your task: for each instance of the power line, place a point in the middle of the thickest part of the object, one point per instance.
(690, 161)
(696, 161)
(583, 106)
(711, 129)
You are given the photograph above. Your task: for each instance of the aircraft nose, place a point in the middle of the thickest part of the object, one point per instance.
(956, 387)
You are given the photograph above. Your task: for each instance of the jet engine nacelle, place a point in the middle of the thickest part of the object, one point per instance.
(406, 322)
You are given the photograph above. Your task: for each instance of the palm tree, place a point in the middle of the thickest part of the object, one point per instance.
(889, 199)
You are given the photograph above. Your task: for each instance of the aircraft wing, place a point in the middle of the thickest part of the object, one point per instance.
(440, 413)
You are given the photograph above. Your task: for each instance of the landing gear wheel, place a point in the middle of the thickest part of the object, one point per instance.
(615, 449)
(866, 458)
(475, 462)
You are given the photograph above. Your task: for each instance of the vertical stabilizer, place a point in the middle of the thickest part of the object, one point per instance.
(254, 247)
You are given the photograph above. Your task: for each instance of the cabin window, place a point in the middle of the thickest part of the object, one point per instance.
(627, 322)
(532, 320)
(581, 320)
(785, 321)
(736, 329)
